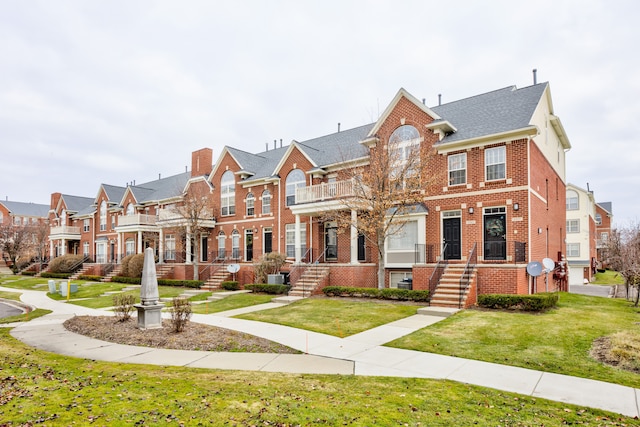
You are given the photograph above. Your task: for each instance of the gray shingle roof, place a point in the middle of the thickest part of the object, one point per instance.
(491, 113)
(160, 189)
(26, 209)
(77, 203)
(607, 206)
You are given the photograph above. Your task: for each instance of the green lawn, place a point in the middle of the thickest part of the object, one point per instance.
(608, 277)
(47, 389)
(231, 302)
(556, 341)
(335, 317)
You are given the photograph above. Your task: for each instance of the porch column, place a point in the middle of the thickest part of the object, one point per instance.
(161, 246)
(298, 245)
(119, 246)
(188, 246)
(63, 250)
(140, 251)
(354, 237)
(51, 253)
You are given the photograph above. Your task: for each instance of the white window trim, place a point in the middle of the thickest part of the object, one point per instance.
(487, 164)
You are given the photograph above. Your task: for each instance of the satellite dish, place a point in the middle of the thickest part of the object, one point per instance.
(548, 264)
(233, 268)
(534, 268)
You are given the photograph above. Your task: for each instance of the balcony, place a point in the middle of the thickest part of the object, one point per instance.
(325, 191)
(65, 232)
(137, 219)
(172, 218)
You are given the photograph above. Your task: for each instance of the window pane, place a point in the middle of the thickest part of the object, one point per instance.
(494, 159)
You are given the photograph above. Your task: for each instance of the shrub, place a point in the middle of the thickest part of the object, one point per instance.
(28, 273)
(270, 263)
(90, 277)
(128, 280)
(264, 288)
(386, 294)
(49, 275)
(131, 265)
(180, 313)
(535, 302)
(123, 306)
(186, 283)
(230, 285)
(65, 263)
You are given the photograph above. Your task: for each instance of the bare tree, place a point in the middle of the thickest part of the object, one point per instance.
(623, 251)
(16, 242)
(384, 191)
(197, 210)
(40, 238)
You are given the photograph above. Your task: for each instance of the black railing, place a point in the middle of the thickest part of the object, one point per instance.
(437, 272)
(465, 280)
(300, 269)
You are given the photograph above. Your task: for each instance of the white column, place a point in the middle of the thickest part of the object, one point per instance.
(119, 246)
(188, 246)
(354, 237)
(298, 244)
(161, 247)
(140, 251)
(51, 249)
(63, 249)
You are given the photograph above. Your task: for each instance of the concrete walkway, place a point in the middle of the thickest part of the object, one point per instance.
(360, 354)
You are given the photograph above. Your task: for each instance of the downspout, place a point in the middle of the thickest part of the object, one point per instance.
(529, 231)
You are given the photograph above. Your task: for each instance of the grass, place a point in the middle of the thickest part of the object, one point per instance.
(556, 341)
(608, 277)
(335, 317)
(231, 302)
(43, 388)
(38, 312)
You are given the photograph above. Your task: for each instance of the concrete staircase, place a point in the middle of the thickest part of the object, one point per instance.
(83, 270)
(448, 293)
(309, 281)
(116, 270)
(215, 281)
(163, 270)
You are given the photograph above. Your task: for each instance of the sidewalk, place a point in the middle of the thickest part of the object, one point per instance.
(360, 354)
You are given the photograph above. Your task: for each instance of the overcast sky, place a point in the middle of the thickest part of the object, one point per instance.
(116, 91)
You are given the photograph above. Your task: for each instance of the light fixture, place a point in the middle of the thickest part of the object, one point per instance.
(516, 206)
(539, 230)
(471, 210)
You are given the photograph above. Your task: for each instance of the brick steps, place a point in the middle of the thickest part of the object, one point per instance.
(448, 292)
(309, 281)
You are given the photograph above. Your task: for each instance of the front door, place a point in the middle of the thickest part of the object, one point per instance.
(267, 238)
(331, 241)
(248, 244)
(451, 234)
(495, 234)
(361, 248)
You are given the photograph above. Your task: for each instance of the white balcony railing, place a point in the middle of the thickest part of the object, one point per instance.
(325, 191)
(137, 219)
(64, 230)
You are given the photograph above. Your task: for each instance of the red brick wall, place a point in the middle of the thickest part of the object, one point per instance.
(356, 275)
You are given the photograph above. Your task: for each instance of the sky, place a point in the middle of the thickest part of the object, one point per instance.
(119, 91)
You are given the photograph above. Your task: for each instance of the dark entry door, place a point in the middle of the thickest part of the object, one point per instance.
(451, 233)
(331, 241)
(268, 240)
(495, 241)
(361, 247)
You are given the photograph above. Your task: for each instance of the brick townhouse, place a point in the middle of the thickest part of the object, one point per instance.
(498, 202)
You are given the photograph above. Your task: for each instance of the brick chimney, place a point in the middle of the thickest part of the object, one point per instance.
(201, 162)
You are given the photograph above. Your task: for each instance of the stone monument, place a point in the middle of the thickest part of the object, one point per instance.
(150, 308)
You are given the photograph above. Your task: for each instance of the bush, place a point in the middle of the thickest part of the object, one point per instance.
(128, 280)
(230, 285)
(163, 282)
(270, 263)
(90, 277)
(65, 264)
(264, 288)
(535, 302)
(180, 313)
(131, 265)
(385, 294)
(123, 306)
(28, 273)
(49, 275)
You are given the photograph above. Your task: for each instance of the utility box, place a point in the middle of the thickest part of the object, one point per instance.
(406, 283)
(275, 279)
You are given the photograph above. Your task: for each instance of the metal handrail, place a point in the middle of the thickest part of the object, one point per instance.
(465, 280)
(437, 272)
(298, 270)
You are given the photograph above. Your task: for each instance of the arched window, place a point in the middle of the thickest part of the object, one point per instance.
(228, 193)
(572, 201)
(250, 201)
(295, 179)
(130, 209)
(266, 202)
(103, 216)
(404, 154)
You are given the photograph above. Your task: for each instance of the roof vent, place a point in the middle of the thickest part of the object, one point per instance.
(535, 76)
(439, 99)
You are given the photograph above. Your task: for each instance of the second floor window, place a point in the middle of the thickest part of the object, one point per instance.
(103, 216)
(86, 226)
(251, 200)
(573, 226)
(228, 193)
(266, 202)
(295, 179)
(573, 249)
(495, 163)
(458, 169)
